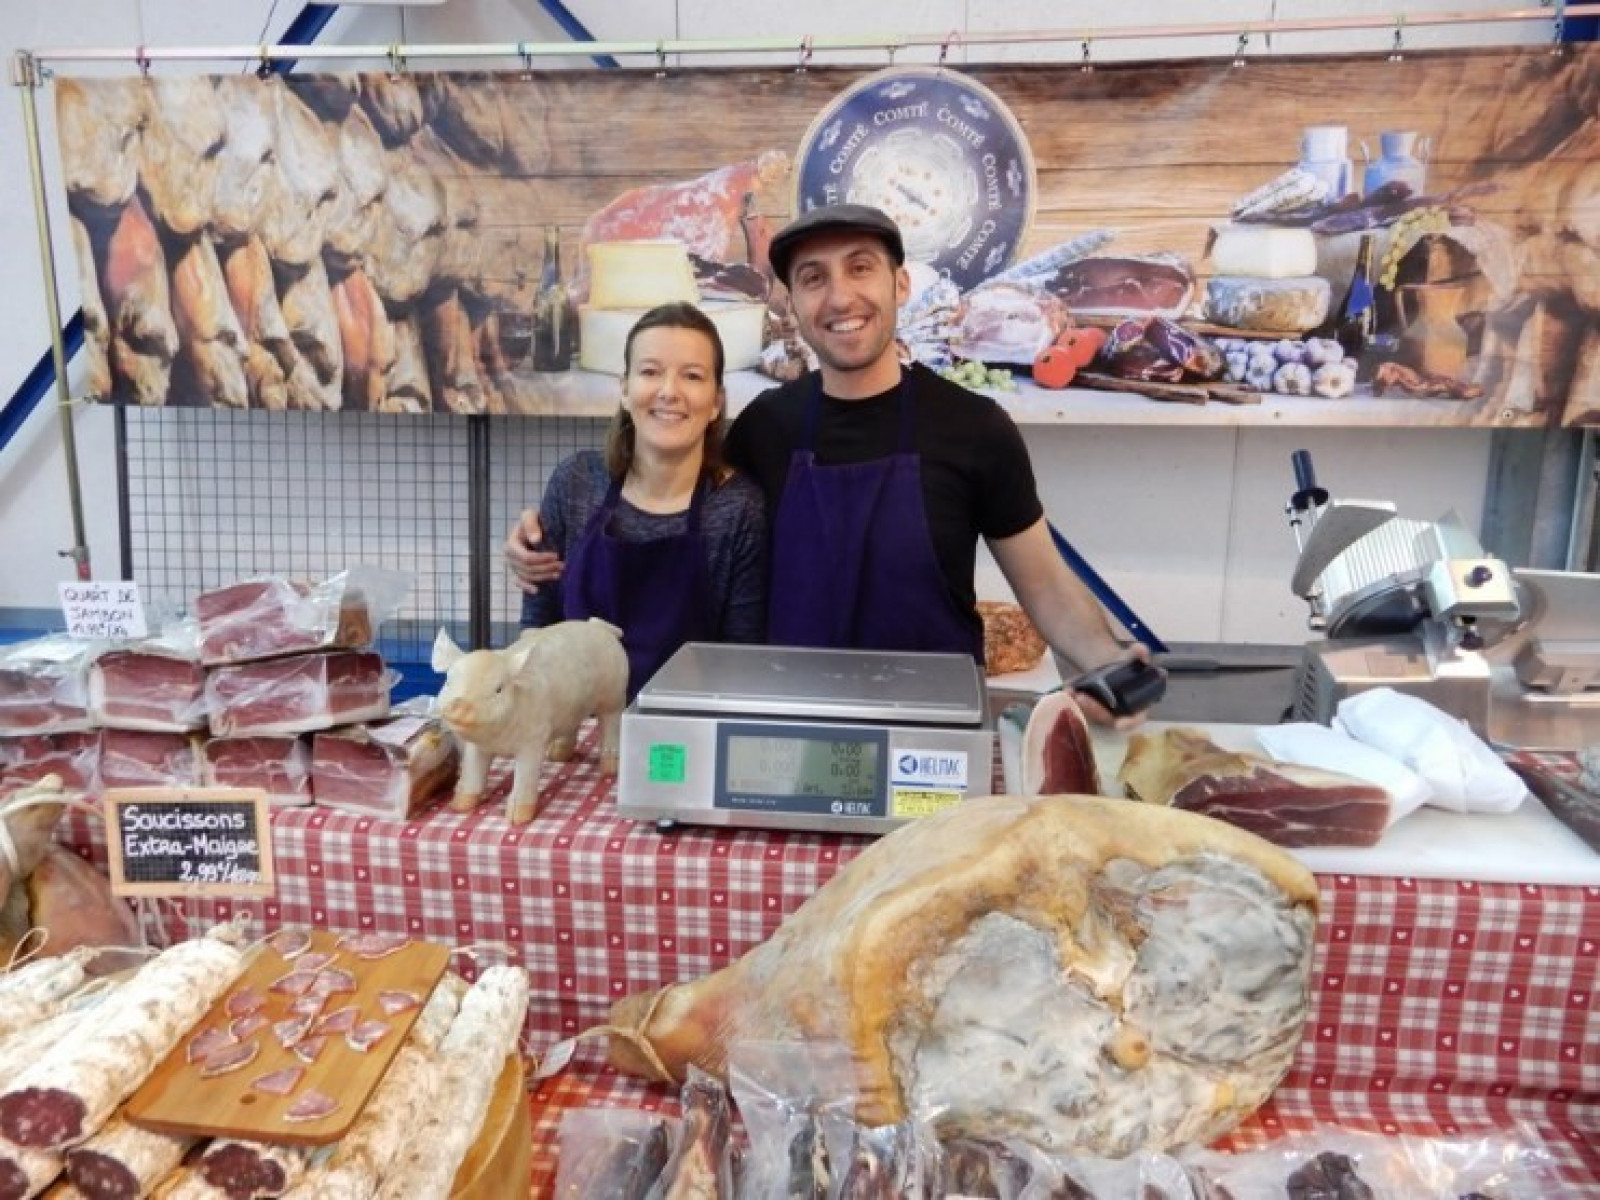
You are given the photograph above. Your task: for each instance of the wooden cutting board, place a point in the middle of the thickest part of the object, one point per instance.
(499, 1165)
(177, 1099)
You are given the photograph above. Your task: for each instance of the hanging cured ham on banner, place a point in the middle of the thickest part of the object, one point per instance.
(1357, 240)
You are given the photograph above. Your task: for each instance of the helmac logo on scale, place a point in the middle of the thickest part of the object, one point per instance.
(930, 768)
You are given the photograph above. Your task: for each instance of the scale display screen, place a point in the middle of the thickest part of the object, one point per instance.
(801, 769)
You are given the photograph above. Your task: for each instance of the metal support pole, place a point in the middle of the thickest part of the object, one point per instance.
(479, 536)
(25, 76)
(119, 420)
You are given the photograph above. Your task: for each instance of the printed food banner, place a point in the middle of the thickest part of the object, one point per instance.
(1294, 241)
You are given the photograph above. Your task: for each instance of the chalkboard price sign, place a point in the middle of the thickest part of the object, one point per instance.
(189, 842)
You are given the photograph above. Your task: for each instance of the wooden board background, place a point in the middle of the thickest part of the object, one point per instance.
(1158, 151)
(175, 1099)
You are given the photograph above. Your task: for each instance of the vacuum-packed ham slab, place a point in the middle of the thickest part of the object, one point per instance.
(139, 758)
(280, 766)
(270, 618)
(44, 685)
(147, 688)
(297, 695)
(390, 768)
(75, 757)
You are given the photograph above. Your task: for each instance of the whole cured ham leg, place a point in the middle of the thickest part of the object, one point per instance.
(210, 338)
(96, 325)
(367, 338)
(316, 380)
(144, 339)
(705, 214)
(1084, 974)
(408, 389)
(269, 354)
(452, 353)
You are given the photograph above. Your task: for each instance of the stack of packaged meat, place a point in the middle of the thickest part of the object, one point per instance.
(263, 665)
(284, 658)
(45, 723)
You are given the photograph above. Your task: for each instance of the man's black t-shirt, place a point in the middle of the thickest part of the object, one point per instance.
(977, 480)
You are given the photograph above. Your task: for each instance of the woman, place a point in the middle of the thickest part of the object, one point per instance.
(656, 535)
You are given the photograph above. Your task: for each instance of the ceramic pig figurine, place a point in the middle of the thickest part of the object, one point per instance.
(526, 702)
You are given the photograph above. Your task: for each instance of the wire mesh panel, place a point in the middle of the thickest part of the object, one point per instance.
(523, 451)
(217, 497)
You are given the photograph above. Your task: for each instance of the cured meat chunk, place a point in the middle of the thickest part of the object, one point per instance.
(279, 1083)
(374, 945)
(227, 1059)
(704, 214)
(279, 766)
(307, 1048)
(153, 690)
(392, 768)
(44, 686)
(295, 983)
(394, 1001)
(341, 1020)
(1102, 285)
(73, 757)
(314, 961)
(1057, 756)
(333, 981)
(291, 1030)
(248, 1025)
(245, 1001)
(291, 943)
(297, 695)
(366, 1035)
(309, 1005)
(1010, 641)
(139, 759)
(312, 1106)
(270, 618)
(1087, 975)
(1286, 804)
(207, 1042)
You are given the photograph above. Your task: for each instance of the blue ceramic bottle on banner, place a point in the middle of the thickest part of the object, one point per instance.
(1404, 158)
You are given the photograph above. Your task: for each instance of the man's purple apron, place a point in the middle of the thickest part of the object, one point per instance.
(656, 592)
(853, 564)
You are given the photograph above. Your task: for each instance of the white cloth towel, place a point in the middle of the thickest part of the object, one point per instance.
(1463, 773)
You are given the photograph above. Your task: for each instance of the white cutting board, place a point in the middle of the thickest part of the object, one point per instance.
(1524, 846)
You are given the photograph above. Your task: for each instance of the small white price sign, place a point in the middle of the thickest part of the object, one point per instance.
(109, 609)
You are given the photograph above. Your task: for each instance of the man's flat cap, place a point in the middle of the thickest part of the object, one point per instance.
(834, 218)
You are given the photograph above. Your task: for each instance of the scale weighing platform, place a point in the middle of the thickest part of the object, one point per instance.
(782, 737)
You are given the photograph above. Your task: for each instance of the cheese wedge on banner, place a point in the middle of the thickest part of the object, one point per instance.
(640, 275)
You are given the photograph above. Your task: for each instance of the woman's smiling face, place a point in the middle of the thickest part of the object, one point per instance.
(671, 389)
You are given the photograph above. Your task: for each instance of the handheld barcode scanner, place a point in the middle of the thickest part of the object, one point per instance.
(1123, 688)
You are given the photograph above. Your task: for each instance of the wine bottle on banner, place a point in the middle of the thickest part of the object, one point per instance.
(553, 326)
(1356, 320)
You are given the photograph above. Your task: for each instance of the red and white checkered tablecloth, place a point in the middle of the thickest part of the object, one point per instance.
(1440, 1006)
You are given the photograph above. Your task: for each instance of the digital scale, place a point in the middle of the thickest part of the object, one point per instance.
(782, 737)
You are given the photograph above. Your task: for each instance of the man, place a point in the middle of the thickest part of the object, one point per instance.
(880, 478)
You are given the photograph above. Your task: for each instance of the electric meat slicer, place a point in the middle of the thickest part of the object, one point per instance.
(1411, 605)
